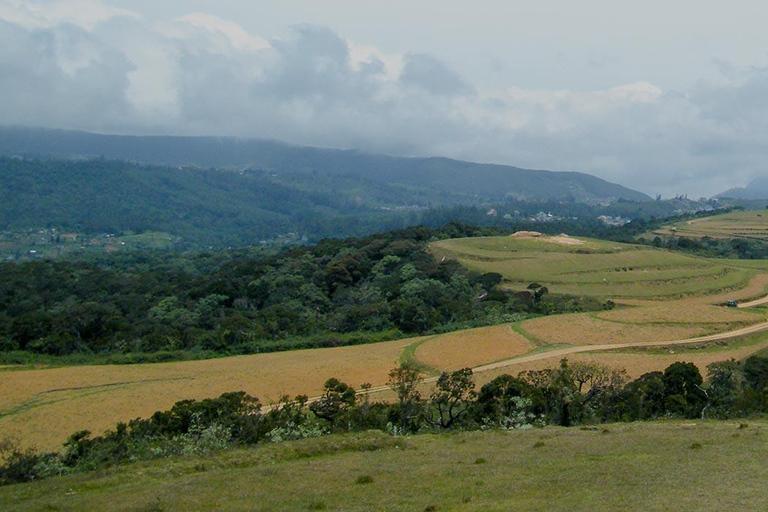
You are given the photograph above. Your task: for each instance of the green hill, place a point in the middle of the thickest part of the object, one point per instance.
(456, 181)
(204, 207)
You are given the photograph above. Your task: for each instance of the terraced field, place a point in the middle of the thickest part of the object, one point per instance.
(750, 224)
(598, 268)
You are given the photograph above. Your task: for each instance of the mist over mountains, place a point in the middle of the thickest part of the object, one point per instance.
(756, 189)
(458, 182)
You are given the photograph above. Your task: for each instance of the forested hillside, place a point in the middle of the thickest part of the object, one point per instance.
(467, 180)
(205, 207)
(194, 208)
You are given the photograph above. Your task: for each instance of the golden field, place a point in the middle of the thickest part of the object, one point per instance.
(473, 347)
(583, 329)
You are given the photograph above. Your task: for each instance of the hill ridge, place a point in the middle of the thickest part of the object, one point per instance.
(486, 180)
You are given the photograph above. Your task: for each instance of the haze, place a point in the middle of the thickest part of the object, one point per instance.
(662, 98)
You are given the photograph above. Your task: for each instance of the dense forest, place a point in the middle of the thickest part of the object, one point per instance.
(204, 207)
(232, 302)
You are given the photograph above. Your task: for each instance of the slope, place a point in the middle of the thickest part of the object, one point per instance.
(204, 207)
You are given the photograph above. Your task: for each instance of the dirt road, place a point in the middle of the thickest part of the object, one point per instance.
(753, 303)
(564, 352)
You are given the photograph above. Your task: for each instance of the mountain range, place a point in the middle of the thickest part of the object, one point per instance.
(439, 180)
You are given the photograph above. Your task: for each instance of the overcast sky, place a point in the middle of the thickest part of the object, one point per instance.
(662, 96)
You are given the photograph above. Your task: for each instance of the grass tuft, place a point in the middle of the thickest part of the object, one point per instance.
(317, 505)
(364, 479)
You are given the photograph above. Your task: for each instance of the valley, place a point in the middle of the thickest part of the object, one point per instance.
(653, 324)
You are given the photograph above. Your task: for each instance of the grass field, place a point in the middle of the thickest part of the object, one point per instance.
(748, 224)
(638, 466)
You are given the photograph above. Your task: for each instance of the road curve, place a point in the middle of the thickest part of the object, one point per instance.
(562, 352)
(615, 346)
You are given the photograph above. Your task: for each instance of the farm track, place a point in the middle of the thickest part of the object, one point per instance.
(562, 352)
(753, 303)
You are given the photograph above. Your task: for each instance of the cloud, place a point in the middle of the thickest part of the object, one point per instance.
(433, 76)
(106, 69)
(59, 76)
(234, 33)
(85, 14)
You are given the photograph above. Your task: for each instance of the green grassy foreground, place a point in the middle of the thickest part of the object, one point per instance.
(694, 465)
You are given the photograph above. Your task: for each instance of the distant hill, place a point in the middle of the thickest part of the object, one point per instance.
(757, 189)
(441, 180)
(203, 206)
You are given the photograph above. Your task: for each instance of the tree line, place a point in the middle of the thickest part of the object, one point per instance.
(574, 393)
(145, 306)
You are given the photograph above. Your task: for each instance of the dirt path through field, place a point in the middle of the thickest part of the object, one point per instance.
(559, 353)
(754, 303)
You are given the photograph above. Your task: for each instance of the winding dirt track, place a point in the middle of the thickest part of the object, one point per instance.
(562, 352)
(614, 346)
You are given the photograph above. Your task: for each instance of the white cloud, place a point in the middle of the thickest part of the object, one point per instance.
(85, 14)
(108, 70)
(365, 55)
(237, 36)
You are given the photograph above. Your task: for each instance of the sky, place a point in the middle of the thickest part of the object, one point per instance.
(666, 97)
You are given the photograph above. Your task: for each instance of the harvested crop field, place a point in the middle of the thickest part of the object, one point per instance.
(472, 347)
(42, 407)
(583, 329)
(674, 313)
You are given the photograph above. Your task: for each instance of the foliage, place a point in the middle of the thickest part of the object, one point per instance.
(404, 381)
(573, 393)
(336, 293)
(451, 399)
